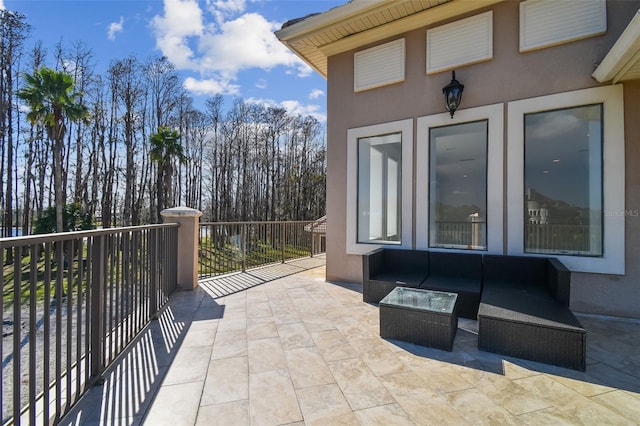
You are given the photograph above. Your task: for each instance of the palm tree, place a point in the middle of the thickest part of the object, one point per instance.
(165, 147)
(51, 97)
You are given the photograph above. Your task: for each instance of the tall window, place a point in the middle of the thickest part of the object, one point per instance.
(379, 189)
(458, 186)
(566, 161)
(563, 181)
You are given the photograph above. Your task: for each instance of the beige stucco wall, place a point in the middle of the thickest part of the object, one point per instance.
(509, 76)
(612, 294)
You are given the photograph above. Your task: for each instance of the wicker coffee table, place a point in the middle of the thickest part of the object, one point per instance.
(424, 317)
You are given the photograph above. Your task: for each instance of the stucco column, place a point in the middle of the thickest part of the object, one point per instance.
(187, 261)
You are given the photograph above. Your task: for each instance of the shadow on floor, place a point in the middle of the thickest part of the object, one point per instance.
(613, 355)
(133, 379)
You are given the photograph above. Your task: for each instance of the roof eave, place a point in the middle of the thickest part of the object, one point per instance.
(326, 19)
(294, 36)
(622, 56)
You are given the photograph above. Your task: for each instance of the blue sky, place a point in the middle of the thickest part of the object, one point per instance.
(218, 46)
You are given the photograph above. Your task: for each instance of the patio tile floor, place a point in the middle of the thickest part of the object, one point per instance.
(300, 350)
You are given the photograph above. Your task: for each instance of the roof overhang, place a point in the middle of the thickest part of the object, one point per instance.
(361, 22)
(623, 60)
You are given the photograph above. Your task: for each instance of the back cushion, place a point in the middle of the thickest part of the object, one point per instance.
(406, 259)
(526, 271)
(458, 265)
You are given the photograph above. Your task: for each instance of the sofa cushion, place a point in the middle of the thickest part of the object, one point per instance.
(527, 307)
(404, 278)
(515, 270)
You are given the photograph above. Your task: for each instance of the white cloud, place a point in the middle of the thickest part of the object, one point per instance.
(261, 84)
(296, 108)
(245, 42)
(182, 20)
(220, 42)
(230, 5)
(114, 28)
(293, 107)
(316, 93)
(1, 4)
(211, 86)
(222, 10)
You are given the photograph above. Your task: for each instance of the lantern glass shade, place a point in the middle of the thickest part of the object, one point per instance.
(453, 94)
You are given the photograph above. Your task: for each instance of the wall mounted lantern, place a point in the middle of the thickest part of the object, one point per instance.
(453, 94)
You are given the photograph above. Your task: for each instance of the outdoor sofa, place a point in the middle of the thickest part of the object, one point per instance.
(521, 303)
(459, 273)
(385, 269)
(524, 311)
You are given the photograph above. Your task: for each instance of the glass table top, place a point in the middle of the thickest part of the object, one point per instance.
(427, 300)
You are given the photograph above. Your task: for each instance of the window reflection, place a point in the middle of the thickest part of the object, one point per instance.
(458, 186)
(563, 181)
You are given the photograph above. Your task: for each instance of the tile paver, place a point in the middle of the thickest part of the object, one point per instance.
(300, 350)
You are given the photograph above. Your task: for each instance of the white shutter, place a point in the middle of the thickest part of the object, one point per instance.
(546, 23)
(379, 65)
(463, 42)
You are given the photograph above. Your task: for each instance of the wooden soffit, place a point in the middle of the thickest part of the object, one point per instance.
(362, 22)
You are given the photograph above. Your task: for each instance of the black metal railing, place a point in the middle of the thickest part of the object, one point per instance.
(561, 239)
(71, 303)
(226, 247)
(459, 234)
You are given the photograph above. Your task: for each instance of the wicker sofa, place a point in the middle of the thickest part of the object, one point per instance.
(521, 303)
(524, 311)
(385, 269)
(459, 273)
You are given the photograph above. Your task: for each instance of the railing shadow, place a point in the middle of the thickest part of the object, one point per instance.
(133, 379)
(225, 285)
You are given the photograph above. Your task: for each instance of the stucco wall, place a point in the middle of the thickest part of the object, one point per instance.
(613, 294)
(509, 76)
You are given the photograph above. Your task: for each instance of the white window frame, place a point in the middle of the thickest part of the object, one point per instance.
(405, 127)
(613, 189)
(494, 114)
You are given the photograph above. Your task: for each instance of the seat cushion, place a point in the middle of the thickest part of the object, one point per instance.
(454, 285)
(530, 307)
(406, 278)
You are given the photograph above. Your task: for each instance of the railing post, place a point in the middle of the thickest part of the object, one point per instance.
(153, 277)
(313, 238)
(98, 273)
(243, 246)
(187, 259)
(283, 239)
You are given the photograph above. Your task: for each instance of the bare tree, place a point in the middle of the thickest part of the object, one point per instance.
(13, 31)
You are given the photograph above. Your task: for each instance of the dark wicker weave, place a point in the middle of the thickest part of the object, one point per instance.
(421, 324)
(385, 269)
(459, 273)
(524, 312)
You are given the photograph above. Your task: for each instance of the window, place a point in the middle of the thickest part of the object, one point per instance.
(459, 180)
(379, 186)
(563, 181)
(379, 189)
(566, 185)
(458, 186)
